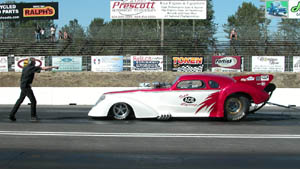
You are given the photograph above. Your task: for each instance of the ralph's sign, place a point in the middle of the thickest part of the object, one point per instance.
(22, 11)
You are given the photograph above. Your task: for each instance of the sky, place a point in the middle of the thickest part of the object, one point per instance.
(86, 10)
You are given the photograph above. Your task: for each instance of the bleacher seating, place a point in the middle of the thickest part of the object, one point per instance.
(149, 47)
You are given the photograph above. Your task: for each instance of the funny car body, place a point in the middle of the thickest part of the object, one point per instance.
(194, 95)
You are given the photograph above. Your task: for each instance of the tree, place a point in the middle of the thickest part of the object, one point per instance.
(249, 22)
(289, 29)
(95, 28)
(74, 30)
(286, 38)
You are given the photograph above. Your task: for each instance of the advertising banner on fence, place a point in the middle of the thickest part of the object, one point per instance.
(3, 64)
(107, 63)
(296, 64)
(153, 9)
(226, 64)
(147, 63)
(268, 63)
(22, 11)
(277, 9)
(187, 63)
(67, 63)
(21, 62)
(294, 9)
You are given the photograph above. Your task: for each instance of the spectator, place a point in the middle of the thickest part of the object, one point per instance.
(43, 33)
(66, 35)
(37, 33)
(233, 34)
(52, 31)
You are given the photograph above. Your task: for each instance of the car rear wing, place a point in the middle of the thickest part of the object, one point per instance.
(259, 80)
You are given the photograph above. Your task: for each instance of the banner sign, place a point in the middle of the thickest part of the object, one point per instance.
(268, 63)
(226, 64)
(187, 63)
(296, 64)
(147, 63)
(107, 63)
(276, 9)
(294, 9)
(3, 64)
(67, 63)
(155, 9)
(23, 11)
(21, 62)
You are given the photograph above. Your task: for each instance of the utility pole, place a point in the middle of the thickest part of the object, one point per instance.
(3, 33)
(122, 28)
(157, 29)
(162, 34)
(194, 30)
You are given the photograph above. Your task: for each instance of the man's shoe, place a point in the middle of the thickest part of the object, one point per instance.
(34, 119)
(12, 118)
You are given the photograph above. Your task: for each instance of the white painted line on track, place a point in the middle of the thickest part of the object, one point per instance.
(149, 135)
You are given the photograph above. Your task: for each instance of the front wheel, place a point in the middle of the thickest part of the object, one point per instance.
(120, 111)
(236, 108)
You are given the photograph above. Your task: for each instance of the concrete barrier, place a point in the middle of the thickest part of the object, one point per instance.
(89, 95)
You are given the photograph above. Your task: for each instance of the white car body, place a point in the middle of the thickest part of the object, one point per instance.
(152, 104)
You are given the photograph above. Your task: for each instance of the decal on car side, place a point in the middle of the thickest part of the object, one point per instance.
(188, 100)
(209, 104)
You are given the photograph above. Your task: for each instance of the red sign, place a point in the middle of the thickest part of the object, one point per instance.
(226, 63)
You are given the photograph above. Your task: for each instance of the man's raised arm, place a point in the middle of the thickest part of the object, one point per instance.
(49, 67)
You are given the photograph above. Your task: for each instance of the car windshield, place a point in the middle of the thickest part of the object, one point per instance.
(175, 80)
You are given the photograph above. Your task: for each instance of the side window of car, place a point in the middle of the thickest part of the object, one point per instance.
(191, 84)
(213, 84)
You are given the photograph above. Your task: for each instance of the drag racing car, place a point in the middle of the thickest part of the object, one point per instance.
(194, 95)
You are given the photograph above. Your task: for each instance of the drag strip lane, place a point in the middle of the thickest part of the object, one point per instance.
(149, 135)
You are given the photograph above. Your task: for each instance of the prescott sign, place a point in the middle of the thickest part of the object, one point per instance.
(156, 9)
(23, 11)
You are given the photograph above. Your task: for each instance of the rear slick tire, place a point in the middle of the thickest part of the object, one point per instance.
(236, 108)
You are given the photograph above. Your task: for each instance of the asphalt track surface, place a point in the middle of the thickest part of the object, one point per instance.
(66, 138)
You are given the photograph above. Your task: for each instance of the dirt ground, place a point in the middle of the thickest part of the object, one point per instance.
(122, 79)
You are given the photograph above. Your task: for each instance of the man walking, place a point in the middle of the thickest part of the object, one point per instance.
(26, 81)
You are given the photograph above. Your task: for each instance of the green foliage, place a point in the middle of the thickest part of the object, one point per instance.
(95, 28)
(74, 30)
(289, 29)
(249, 22)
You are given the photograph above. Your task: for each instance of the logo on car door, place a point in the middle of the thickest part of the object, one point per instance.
(189, 100)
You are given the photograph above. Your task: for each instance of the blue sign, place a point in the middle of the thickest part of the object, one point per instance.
(67, 63)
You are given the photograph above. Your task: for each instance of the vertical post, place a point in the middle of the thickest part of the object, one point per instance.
(166, 62)
(193, 36)
(162, 34)
(122, 28)
(157, 28)
(288, 63)
(3, 34)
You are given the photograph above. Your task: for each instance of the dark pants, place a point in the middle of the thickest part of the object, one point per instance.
(29, 93)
